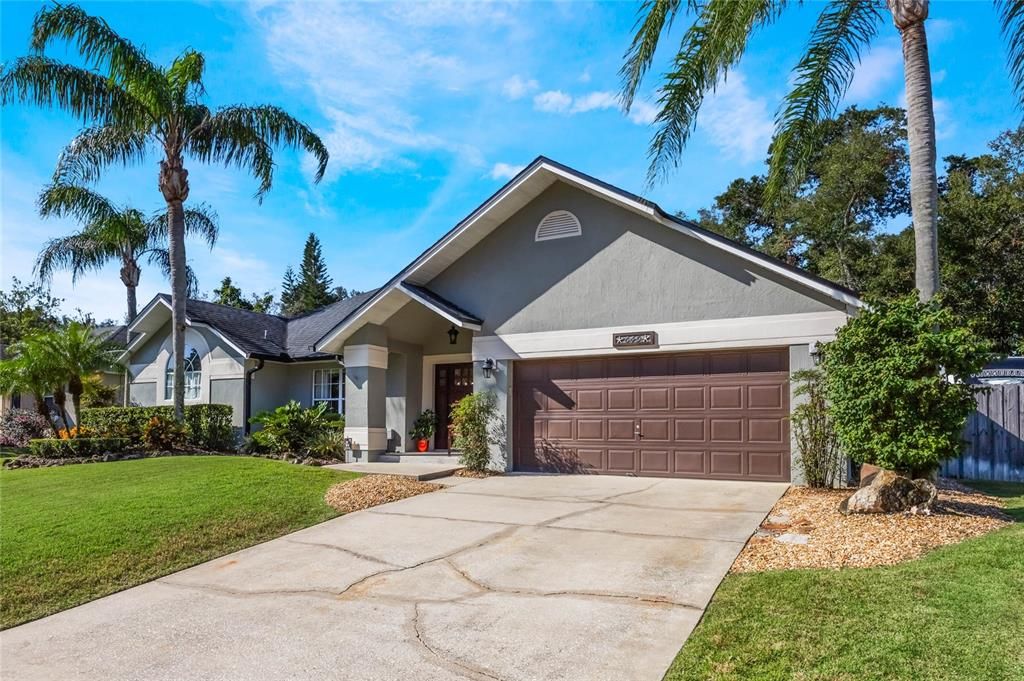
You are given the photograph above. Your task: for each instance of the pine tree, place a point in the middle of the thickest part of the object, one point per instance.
(315, 285)
(288, 292)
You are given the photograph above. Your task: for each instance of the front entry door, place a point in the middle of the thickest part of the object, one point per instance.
(452, 382)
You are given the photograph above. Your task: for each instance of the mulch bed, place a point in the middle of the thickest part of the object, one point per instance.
(837, 541)
(374, 490)
(30, 461)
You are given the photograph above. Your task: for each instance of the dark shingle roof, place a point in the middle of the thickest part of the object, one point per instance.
(271, 336)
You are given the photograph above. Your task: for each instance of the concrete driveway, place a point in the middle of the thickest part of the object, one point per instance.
(515, 577)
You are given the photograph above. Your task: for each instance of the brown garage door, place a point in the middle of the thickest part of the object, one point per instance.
(709, 414)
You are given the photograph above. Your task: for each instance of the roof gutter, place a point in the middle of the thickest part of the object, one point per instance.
(247, 395)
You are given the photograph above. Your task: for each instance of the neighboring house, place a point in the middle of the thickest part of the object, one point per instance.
(617, 339)
(252, 361)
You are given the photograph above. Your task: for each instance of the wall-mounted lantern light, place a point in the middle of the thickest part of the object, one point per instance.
(488, 367)
(453, 335)
(816, 354)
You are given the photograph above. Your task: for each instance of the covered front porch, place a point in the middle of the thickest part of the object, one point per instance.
(408, 351)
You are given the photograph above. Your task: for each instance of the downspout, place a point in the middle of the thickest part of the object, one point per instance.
(247, 396)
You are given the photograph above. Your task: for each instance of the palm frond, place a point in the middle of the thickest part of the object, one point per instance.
(245, 135)
(200, 221)
(653, 17)
(80, 253)
(1011, 21)
(711, 46)
(102, 48)
(823, 75)
(85, 205)
(87, 95)
(161, 257)
(84, 159)
(185, 74)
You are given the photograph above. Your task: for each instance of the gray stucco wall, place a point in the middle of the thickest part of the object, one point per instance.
(142, 394)
(148, 351)
(365, 389)
(623, 270)
(270, 387)
(414, 324)
(229, 391)
(500, 385)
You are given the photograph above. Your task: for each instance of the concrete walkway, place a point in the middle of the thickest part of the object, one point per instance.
(515, 577)
(419, 471)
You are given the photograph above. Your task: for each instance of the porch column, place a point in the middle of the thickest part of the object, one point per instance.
(499, 383)
(365, 399)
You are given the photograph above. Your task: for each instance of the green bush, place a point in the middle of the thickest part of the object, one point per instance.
(207, 426)
(895, 379)
(52, 448)
(290, 428)
(820, 459)
(476, 426)
(327, 444)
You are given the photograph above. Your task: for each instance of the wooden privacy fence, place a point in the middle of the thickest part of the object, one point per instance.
(995, 437)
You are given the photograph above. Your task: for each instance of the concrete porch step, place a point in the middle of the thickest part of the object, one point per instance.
(417, 470)
(452, 460)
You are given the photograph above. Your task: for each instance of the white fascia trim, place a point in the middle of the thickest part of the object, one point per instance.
(774, 330)
(374, 356)
(367, 439)
(146, 310)
(430, 305)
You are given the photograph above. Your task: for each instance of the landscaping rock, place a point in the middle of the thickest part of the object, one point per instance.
(793, 538)
(890, 492)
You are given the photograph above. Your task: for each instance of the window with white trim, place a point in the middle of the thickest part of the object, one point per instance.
(193, 375)
(558, 224)
(329, 388)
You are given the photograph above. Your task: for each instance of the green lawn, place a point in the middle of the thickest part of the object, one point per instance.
(956, 613)
(70, 534)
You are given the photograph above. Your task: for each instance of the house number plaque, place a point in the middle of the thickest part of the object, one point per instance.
(636, 339)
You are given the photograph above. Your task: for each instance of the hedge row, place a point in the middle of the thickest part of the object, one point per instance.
(207, 426)
(52, 448)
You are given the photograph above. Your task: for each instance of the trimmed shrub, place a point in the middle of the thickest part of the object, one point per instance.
(18, 426)
(895, 378)
(327, 444)
(476, 426)
(207, 426)
(53, 448)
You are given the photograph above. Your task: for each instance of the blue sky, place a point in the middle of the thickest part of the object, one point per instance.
(427, 108)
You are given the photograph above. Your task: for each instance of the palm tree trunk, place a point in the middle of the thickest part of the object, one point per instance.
(909, 16)
(44, 411)
(174, 186)
(130, 277)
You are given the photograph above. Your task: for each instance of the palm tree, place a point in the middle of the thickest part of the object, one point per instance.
(134, 106)
(77, 352)
(30, 370)
(117, 233)
(716, 41)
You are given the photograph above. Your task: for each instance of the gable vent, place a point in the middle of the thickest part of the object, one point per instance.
(559, 224)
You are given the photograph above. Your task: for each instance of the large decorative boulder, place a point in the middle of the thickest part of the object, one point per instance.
(890, 492)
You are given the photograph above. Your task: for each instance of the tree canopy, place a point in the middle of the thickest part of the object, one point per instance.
(231, 295)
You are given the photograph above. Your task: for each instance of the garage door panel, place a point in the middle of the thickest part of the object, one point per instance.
(621, 430)
(719, 414)
(765, 396)
(654, 398)
(726, 463)
(655, 430)
(623, 399)
(655, 461)
(590, 399)
(689, 463)
(622, 460)
(726, 396)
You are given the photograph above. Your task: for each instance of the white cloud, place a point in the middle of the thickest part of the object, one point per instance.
(552, 101)
(595, 100)
(516, 87)
(737, 122)
(877, 70)
(939, 76)
(504, 171)
(643, 112)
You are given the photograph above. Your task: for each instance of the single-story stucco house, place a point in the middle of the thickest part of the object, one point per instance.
(617, 338)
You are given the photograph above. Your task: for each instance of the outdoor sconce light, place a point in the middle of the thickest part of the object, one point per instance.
(815, 354)
(453, 335)
(488, 367)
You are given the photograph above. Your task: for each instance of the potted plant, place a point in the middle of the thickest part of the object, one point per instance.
(422, 429)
